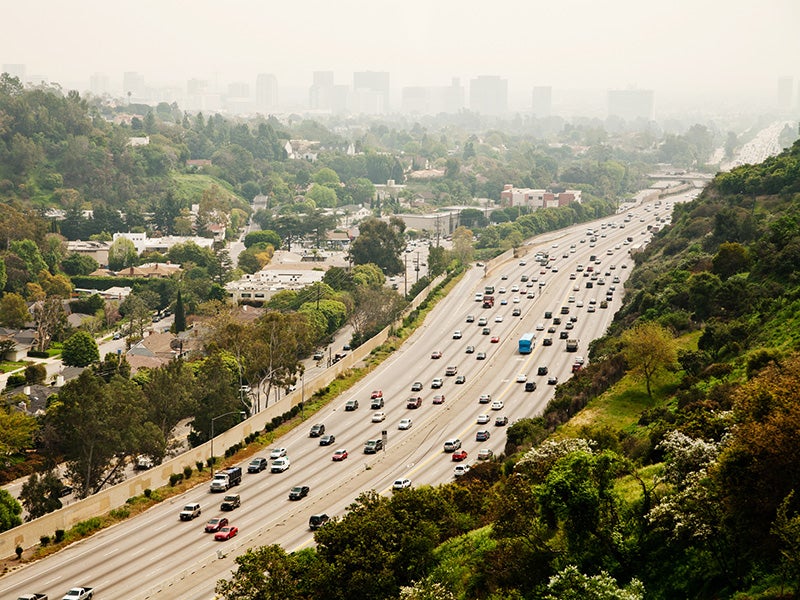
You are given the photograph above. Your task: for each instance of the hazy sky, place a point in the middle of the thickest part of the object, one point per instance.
(740, 45)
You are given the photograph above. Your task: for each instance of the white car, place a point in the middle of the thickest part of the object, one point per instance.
(516, 300)
(461, 470)
(514, 288)
(579, 303)
(277, 453)
(400, 484)
(478, 297)
(502, 290)
(522, 378)
(485, 454)
(405, 424)
(497, 405)
(457, 334)
(378, 417)
(498, 319)
(483, 419)
(540, 327)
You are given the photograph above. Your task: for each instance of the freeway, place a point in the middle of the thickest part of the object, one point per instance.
(157, 556)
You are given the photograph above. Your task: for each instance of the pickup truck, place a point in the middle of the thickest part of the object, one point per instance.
(79, 593)
(33, 597)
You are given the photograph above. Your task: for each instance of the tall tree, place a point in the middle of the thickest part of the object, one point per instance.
(170, 391)
(50, 321)
(263, 573)
(13, 311)
(648, 348)
(180, 314)
(10, 511)
(41, 495)
(381, 243)
(80, 350)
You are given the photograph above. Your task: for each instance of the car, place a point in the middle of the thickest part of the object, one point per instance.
(540, 327)
(530, 386)
(413, 402)
(230, 502)
(530, 296)
(480, 356)
(552, 380)
(569, 325)
(551, 329)
(522, 378)
(482, 321)
(470, 349)
(504, 277)
(372, 446)
(482, 435)
(317, 521)
(541, 370)
(478, 297)
(327, 440)
(215, 524)
(593, 301)
(351, 404)
(117, 335)
(502, 290)
(258, 464)
(461, 470)
(279, 465)
(451, 370)
(591, 309)
(515, 288)
(495, 339)
(548, 341)
(483, 419)
(485, 398)
(497, 405)
(416, 386)
(298, 492)
(378, 416)
(339, 455)
(459, 455)
(376, 403)
(501, 421)
(226, 533)
(470, 318)
(277, 453)
(405, 424)
(401, 484)
(515, 300)
(603, 304)
(486, 331)
(376, 394)
(316, 430)
(563, 335)
(579, 304)
(319, 355)
(436, 354)
(438, 399)
(457, 334)
(498, 319)
(485, 454)
(190, 511)
(503, 302)
(437, 382)
(516, 312)
(579, 360)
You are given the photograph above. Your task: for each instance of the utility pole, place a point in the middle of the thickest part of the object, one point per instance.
(405, 275)
(416, 267)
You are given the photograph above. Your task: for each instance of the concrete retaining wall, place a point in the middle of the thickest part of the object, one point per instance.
(29, 534)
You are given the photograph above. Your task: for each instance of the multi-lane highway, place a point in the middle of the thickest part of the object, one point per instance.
(156, 555)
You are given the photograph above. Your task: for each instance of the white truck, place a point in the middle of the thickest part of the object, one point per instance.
(33, 597)
(79, 593)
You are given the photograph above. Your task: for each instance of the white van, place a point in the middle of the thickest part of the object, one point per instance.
(452, 445)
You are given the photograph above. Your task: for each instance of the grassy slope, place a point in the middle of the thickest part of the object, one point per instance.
(190, 186)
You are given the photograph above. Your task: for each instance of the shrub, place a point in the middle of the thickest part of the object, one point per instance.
(120, 513)
(200, 466)
(15, 380)
(86, 527)
(18, 550)
(44, 540)
(35, 374)
(175, 478)
(37, 354)
(187, 472)
(148, 492)
(59, 535)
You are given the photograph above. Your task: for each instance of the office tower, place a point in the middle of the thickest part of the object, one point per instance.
(99, 84)
(266, 92)
(542, 101)
(631, 104)
(488, 95)
(133, 86)
(371, 91)
(321, 93)
(15, 70)
(785, 92)
(453, 101)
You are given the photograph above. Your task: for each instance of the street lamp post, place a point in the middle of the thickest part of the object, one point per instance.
(233, 412)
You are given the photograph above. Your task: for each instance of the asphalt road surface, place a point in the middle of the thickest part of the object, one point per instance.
(157, 556)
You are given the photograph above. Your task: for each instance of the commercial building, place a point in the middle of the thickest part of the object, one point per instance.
(542, 101)
(266, 92)
(488, 95)
(511, 196)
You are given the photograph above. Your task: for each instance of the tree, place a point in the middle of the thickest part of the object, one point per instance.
(375, 308)
(122, 254)
(571, 584)
(170, 391)
(41, 495)
(13, 311)
(263, 573)
(80, 350)
(10, 511)
(648, 348)
(381, 243)
(180, 315)
(35, 374)
(266, 236)
(731, 258)
(50, 321)
(79, 264)
(368, 275)
(17, 431)
(29, 252)
(463, 245)
(437, 260)
(361, 190)
(322, 196)
(136, 310)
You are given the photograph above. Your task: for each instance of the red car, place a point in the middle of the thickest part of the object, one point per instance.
(376, 394)
(226, 533)
(495, 339)
(438, 399)
(340, 454)
(459, 455)
(216, 524)
(436, 354)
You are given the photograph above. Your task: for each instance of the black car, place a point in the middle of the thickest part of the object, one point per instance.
(316, 430)
(298, 492)
(541, 371)
(501, 421)
(317, 521)
(530, 386)
(563, 335)
(257, 465)
(416, 386)
(327, 440)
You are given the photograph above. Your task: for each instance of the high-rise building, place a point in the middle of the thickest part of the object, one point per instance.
(631, 105)
(453, 97)
(785, 93)
(432, 100)
(488, 95)
(99, 84)
(266, 92)
(133, 86)
(373, 87)
(15, 70)
(321, 94)
(542, 101)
